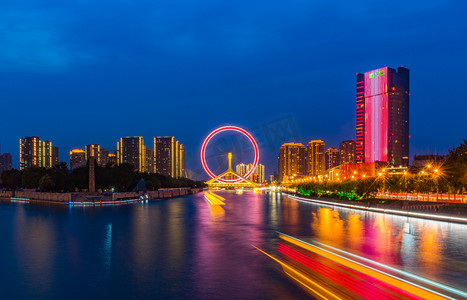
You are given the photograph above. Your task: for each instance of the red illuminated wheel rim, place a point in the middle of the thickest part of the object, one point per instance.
(222, 129)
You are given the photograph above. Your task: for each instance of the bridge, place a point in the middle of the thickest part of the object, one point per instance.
(230, 179)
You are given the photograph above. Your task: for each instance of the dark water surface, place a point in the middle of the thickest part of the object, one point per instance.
(183, 248)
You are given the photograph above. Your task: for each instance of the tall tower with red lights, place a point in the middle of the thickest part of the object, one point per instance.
(382, 118)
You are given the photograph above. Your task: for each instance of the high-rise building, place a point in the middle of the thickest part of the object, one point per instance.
(34, 153)
(77, 158)
(112, 159)
(332, 158)
(131, 150)
(382, 120)
(315, 157)
(55, 158)
(347, 152)
(5, 162)
(47, 154)
(94, 150)
(258, 173)
(104, 154)
(149, 160)
(182, 161)
(291, 160)
(169, 157)
(107, 158)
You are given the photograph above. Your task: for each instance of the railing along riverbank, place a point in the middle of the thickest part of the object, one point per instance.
(431, 197)
(433, 211)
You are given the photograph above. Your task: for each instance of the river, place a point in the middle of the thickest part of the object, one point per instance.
(183, 248)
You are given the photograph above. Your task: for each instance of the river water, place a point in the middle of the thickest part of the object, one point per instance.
(183, 248)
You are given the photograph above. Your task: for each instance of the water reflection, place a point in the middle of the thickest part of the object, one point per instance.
(355, 230)
(328, 227)
(183, 248)
(35, 245)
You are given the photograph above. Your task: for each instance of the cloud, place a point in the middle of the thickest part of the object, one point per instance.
(33, 41)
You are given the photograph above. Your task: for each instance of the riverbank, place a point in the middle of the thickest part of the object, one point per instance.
(418, 209)
(94, 198)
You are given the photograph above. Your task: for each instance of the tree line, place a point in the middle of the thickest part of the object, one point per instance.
(121, 178)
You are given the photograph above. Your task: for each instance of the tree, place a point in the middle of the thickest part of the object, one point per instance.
(12, 179)
(46, 183)
(456, 167)
(31, 177)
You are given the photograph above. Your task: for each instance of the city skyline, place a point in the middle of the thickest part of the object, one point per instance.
(233, 149)
(96, 92)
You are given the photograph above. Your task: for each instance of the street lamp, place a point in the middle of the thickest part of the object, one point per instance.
(406, 191)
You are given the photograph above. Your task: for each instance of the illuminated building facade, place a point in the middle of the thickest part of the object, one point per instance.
(382, 116)
(104, 155)
(315, 157)
(94, 150)
(77, 158)
(55, 158)
(131, 150)
(149, 160)
(34, 153)
(169, 157)
(256, 177)
(332, 158)
(112, 161)
(291, 160)
(5, 162)
(358, 171)
(107, 158)
(347, 152)
(182, 161)
(47, 154)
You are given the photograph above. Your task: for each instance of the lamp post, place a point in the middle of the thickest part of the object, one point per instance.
(406, 191)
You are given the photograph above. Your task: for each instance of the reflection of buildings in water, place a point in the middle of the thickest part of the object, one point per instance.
(176, 234)
(274, 208)
(144, 223)
(355, 231)
(108, 245)
(382, 233)
(408, 250)
(37, 248)
(429, 251)
(328, 226)
(290, 214)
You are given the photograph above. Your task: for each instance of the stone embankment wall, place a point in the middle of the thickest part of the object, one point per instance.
(161, 193)
(6, 194)
(67, 197)
(53, 197)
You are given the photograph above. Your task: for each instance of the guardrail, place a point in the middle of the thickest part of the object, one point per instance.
(445, 198)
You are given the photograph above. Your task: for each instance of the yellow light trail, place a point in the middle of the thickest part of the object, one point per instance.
(389, 279)
(212, 199)
(217, 196)
(300, 278)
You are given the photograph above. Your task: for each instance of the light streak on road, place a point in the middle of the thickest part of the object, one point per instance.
(305, 281)
(400, 283)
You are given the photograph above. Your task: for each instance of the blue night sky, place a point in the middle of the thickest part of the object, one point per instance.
(81, 72)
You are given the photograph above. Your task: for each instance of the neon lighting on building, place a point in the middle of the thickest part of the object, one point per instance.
(376, 115)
